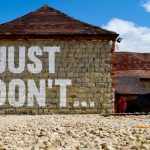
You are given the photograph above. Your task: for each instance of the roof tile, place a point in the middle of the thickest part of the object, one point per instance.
(129, 85)
(48, 21)
(133, 64)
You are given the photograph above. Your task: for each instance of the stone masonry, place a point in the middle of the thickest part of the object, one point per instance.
(88, 64)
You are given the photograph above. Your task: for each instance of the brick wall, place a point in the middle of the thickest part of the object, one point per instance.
(87, 64)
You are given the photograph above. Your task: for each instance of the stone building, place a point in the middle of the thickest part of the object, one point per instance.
(52, 63)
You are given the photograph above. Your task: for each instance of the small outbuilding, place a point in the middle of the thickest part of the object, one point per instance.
(53, 63)
(135, 66)
(132, 81)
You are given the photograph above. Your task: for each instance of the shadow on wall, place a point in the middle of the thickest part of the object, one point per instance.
(139, 104)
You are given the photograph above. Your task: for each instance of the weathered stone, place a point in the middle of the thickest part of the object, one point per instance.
(85, 63)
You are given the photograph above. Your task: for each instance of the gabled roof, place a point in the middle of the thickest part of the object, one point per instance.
(133, 64)
(47, 22)
(129, 85)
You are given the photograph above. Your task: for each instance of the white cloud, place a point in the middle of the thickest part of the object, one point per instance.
(135, 38)
(147, 6)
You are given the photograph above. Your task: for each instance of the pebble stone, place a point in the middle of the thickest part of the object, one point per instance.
(74, 132)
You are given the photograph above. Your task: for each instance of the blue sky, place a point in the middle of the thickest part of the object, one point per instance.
(110, 14)
(97, 12)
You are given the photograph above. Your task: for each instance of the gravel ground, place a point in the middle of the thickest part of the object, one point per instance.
(71, 132)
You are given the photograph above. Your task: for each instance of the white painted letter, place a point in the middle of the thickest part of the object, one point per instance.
(35, 67)
(12, 93)
(33, 92)
(2, 59)
(63, 83)
(2, 92)
(11, 64)
(51, 51)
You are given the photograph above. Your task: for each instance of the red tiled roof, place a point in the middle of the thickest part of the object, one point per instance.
(132, 61)
(47, 21)
(133, 64)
